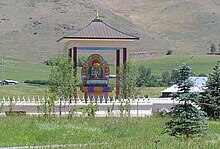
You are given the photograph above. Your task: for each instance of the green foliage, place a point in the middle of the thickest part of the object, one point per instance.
(166, 78)
(90, 109)
(219, 47)
(145, 78)
(105, 132)
(143, 75)
(54, 61)
(174, 76)
(186, 120)
(212, 48)
(51, 62)
(167, 63)
(81, 61)
(169, 52)
(47, 107)
(61, 79)
(201, 75)
(124, 108)
(11, 105)
(128, 77)
(209, 100)
(40, 82)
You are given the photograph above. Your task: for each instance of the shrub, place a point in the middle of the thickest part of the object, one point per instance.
(40, 82)
(169, 52)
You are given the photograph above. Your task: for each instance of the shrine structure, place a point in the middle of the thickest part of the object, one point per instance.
(95, 78)
(95, 72)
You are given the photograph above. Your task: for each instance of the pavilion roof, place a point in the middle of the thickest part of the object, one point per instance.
(98, 29)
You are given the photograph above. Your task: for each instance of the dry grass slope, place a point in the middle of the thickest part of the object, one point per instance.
(29, 28)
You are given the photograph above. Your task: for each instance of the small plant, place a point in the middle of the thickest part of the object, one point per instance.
(2, 107)
(212, 48)
(10, 112)
(10, 104)
(128, 108)
(121, 109)
(73, 112)
(108, 111)
(90, 109)
(47, 107)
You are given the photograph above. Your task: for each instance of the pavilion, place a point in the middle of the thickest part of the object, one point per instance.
(99, 36)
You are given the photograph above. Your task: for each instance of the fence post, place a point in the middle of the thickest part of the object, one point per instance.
(60, 107)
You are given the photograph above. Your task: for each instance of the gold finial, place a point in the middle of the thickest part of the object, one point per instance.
(97, 14)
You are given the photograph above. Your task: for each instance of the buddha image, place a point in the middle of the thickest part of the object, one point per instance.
(95, 71)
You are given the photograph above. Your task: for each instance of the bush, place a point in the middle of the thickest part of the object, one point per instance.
(169, 52)
(40, 82)
(51, 62)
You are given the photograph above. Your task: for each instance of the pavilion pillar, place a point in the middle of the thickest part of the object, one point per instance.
(117, 73)
(70, 53)
(74, 59)
(124, 72)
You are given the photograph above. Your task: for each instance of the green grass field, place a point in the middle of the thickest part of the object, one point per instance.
(106, 132)
(22, 70)
(199, 64)
(23, 89)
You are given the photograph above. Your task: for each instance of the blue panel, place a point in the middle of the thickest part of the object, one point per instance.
(105, 88)
(90, 88)
(97, 48)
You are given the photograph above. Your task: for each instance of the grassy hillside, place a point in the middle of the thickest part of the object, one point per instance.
(199, 64)
(30, 28)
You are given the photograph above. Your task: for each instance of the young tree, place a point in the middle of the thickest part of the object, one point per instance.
(166, 78)
(61, 79)
(81, 61)
(209, 100)
(174, 76)
(186, 120)
(144, 74)
(145, 78)
(128, 82)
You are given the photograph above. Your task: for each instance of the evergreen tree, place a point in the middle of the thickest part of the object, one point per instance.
(209, 100)
(186, 120)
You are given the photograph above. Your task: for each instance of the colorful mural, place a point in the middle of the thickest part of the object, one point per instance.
(95, 77)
